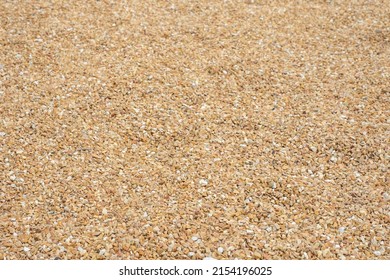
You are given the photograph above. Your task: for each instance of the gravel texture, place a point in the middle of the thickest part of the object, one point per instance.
(194, 129)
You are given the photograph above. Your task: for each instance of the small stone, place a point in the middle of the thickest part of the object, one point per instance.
(272, 185)
(341, 229)
(203, 182)
(220, 250)
(2, 134)
(194, 238)
(377, 253)
(333, 159)
(81, 250)
(386, 196)
(26, 249)
(102, 252)
(209, 259)
(191, 254)
(194, 84)
(104, 212)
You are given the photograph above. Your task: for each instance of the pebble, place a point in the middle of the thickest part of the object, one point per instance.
(313, 149)
(81, 250)
(2, 134)
(203, 182)
(220, 250)
(341, 229)
(209, 259)
(194, 238)
(26, 249)
(191, 254)
(104, 212)
(377, 253)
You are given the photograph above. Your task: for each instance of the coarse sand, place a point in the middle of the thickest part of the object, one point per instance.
(194, 129)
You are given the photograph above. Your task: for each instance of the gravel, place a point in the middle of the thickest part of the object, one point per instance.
(259, 127)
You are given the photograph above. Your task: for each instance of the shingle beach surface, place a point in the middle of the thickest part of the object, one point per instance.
(194, 129)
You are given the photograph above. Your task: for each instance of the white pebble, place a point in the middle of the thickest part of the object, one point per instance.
(333, 159)
(26, 249)
(105, 212)
(342, 229)
(203, 182)
(191, 254)
(102, 252)
(194, 84)
(386, 196)
(377, 253)
(2, 134)
(194, 238)
(81, 250)
(220, 250)
(209, 259)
